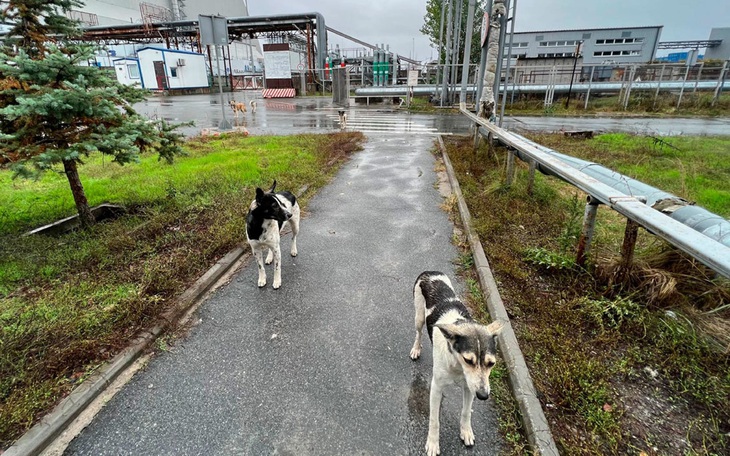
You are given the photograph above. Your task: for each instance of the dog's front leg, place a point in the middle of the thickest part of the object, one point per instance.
(259, 255)
(432, 443)
(277, 267)
(466, 433)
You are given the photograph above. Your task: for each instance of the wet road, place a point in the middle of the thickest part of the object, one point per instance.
(321, 366)
(302, 115)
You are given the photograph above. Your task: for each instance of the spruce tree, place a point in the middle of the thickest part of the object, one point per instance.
(56, 110)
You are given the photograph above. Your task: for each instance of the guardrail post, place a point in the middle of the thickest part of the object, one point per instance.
(627, 250)
(531, 179)
(510, 167)
(477, 136)
(586, 235)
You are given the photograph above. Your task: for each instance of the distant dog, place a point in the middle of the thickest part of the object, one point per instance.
(253, 105)
(268, 214)
(464, 351)
(237, 107)
(343, 118)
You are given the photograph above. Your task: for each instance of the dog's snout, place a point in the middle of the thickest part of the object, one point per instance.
(288, 215)
(483, 395)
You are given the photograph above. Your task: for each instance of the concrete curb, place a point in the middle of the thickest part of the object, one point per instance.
(52, 425)
(537, 428)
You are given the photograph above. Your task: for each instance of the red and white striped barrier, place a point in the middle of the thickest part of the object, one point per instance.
(278, 93)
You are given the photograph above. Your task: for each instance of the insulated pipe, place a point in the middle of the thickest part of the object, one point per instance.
(542, 88)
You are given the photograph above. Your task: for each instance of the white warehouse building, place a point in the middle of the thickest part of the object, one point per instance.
(598, 46)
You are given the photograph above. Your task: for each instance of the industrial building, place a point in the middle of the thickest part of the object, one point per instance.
(598, 46)
(246, 57)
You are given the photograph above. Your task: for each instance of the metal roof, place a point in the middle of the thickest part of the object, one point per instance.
(593, 29)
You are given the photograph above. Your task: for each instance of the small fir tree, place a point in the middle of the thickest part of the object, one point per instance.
(55, 109)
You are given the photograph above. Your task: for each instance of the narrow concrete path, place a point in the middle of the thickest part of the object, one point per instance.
(321, 366)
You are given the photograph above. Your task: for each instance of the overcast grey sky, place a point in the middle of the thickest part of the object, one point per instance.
(397, 22)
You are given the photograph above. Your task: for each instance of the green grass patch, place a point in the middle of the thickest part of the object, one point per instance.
(694, 168)
(70, 302)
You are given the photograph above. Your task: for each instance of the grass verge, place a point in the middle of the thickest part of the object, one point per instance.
(69, 303)
(631, 368)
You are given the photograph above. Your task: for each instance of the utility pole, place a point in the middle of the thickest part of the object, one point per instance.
(572, 75)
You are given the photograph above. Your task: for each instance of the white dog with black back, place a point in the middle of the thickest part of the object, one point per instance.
(464, 351)
(268, 214)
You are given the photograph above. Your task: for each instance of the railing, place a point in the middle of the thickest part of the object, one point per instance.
(708, 251)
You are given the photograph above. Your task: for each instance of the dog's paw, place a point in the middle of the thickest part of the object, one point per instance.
(277, 284)
(432, 447)
(294, 253)
(415, 353)
(269, 259)
(467, 435)
(262, 282)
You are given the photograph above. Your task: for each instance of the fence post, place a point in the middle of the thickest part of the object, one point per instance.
(681, 91)
(586, 235)
(659, 84)
(627, 95)
(699, 75)
(720, 83)
(590, 82)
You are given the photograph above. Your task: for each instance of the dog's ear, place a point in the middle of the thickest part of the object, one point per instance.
(495, 327)
(273, 187)
(259, 194)
(451, 332)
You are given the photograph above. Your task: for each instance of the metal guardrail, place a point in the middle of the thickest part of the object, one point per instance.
(708, 251)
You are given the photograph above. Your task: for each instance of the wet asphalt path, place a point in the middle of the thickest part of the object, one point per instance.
(305, 115)
(321, 366)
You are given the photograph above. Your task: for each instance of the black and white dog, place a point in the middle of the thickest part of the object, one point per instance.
(464, 351)
(266, 218)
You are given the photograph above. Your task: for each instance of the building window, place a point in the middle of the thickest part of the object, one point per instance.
(173, 72)
(620, 41)
(133, 71)
(586, 36)
(555, 55)
(616, 53)
(558, 43)
(625, 34)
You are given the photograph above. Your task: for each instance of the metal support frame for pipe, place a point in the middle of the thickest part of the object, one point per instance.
(706, 250)
(509, 58)
(467, 50)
